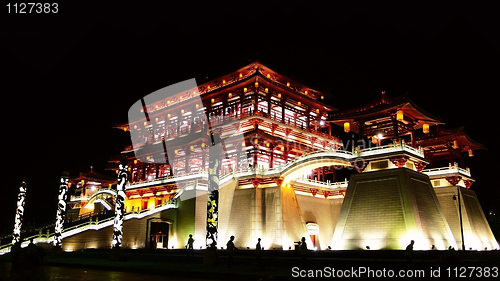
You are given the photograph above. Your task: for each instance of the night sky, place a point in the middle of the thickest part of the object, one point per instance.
(67, 78)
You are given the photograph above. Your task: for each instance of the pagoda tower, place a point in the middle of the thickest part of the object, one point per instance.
(276, 120)
(277, 169)
(392, 200)
(452, 186)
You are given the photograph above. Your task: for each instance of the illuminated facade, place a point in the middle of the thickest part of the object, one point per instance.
(279, 183)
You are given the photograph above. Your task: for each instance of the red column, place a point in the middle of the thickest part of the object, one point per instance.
(271, 157)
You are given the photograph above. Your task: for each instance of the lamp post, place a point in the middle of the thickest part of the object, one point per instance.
(460, 215)
(61, 210)
(119, 208)
(18, 221)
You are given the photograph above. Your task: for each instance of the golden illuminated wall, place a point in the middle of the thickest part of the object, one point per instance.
(239, 219)
(134, 234)
(323, 212)
(386, 209)
(450, 210)
(479, 224)
(271, 213)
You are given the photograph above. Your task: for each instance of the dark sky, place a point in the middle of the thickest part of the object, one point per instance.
(67, 78)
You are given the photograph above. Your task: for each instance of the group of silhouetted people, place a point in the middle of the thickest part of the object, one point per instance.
(231, 248)
(30, 257)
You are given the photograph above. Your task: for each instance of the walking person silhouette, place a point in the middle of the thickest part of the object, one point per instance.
(230, 252)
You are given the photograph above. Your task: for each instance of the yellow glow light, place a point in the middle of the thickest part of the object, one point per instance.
(399, 115)
(347, 127)
(425, 128)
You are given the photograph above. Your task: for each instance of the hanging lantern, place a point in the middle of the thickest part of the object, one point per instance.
(347, 127)
(192, 148)
(256, 141)
(241, 75)
(156, 106)
(425, 128)
(230, 95)
(279, 95)
(267, 144)
(125, 129)
(145, 123)
(208, 87)
(267, 90)
(288, 84)
(116, 171)
(455, 144)
(203, 145)
(282, 148)
(148, 157)
(299, 103)
(471, 153)
(180, 98)
(322, 97)
(305, 93)
(197, 106)
(175, 151)
(399, 115)
(182, 111)
(82, 182)
(128, 170)
(243, 143)
(168, 102)
(268, 75)
(374, 139)
(213, 100)
(135, 126)
(256, 84)
(111, 184)
(223, 81)
(244, 90)
(69, 184)
(135, 161)
(156, 119)
(317, 110)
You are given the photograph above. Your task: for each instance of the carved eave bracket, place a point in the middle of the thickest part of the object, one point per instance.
(399, 161)
(278, 180)
(256, 182)
(420, 166)
(454, 180)
(360, 165)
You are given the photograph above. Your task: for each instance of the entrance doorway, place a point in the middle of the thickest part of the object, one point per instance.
(313, 230)
(158, 239)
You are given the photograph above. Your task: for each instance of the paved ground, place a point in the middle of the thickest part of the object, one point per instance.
(275, 265)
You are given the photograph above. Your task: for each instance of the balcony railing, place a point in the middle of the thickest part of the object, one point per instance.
(447, 170)
(327, 184)
(389, 148)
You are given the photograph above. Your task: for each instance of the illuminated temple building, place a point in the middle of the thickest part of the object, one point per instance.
(278, 179)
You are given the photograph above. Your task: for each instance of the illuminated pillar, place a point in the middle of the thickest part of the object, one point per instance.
(61, 209)
(214, 152)
(18, 221)
(119, 209)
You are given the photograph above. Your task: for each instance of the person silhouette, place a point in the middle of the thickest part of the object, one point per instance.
(189, 246)
(409, 251)
(230, 251)
(303, 249)
(32, 254)
(258, 252)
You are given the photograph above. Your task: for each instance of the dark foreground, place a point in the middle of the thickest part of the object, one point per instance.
(155, 265)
